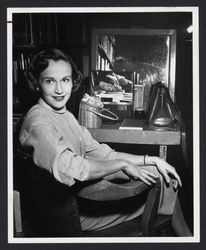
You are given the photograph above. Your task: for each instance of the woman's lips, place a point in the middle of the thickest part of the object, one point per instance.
(58, 98)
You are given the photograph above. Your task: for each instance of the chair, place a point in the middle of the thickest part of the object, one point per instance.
(52, 208)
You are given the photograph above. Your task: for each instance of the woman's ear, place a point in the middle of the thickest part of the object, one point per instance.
(77, 81)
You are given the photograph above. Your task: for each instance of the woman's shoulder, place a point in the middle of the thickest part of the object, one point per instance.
(36, 115)
(36, 118)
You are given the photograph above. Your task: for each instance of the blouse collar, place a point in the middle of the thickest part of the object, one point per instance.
(43, 103)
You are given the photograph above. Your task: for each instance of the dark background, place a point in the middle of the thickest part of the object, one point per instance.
(183, 94)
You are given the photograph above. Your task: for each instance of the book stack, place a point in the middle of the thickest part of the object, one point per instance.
(132, 124)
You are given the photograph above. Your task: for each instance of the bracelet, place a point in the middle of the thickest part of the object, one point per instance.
(145, 159)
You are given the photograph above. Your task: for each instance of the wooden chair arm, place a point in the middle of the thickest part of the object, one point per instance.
(105, 190)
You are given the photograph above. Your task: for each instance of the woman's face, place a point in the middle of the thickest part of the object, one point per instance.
(56, 84)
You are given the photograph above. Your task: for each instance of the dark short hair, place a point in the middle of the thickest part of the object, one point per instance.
(41, 61)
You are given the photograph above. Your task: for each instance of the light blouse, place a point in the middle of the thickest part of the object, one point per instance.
(59, 144)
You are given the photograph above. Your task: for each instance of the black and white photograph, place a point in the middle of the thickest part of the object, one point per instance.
(103, 116)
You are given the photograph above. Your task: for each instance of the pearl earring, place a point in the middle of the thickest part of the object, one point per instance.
(37, 89)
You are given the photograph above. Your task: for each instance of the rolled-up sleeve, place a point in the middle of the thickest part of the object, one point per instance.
(94, 149)
(50, 152)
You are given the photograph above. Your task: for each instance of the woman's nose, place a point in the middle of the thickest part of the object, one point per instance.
(58, 88)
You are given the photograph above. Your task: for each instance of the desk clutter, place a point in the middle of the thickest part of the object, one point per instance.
(162, 113)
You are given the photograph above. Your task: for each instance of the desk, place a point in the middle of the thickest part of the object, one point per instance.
(110, 133)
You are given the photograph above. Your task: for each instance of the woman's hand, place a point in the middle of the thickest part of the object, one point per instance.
(166, 170)
(136, 172)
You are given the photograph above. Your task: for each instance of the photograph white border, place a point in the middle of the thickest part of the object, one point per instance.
(196, 149)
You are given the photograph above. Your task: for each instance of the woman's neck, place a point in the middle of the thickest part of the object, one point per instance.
(43, 103)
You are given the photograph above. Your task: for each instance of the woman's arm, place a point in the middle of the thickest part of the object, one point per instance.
(100, 169)
(103, 152)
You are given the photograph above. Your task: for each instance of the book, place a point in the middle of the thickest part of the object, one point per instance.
(132, 124)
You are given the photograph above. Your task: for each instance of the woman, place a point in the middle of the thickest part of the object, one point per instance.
(60, 145)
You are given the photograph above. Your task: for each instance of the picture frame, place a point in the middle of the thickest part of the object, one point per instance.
(7, 241)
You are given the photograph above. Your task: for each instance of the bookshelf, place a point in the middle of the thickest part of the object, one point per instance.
(33, 32)
(48, 28)
(103, 51)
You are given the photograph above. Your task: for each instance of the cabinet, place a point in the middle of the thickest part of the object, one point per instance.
(33, 32)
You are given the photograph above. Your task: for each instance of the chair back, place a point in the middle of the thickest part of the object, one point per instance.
(50, 205)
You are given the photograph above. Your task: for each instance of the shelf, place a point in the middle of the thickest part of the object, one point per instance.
(103, 53)
(38, 46)
(103, 48)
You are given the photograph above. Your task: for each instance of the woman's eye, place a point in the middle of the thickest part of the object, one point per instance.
(67, 80)
(48, 81)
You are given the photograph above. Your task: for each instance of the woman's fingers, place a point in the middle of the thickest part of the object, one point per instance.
(142, 178)
(150, 173)
(149, 177)
(175, 183)
(165, 168)
(172, 170)
(174, 173)
(166, 176)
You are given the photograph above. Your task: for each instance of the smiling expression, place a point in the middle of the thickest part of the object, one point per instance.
(55, 84)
